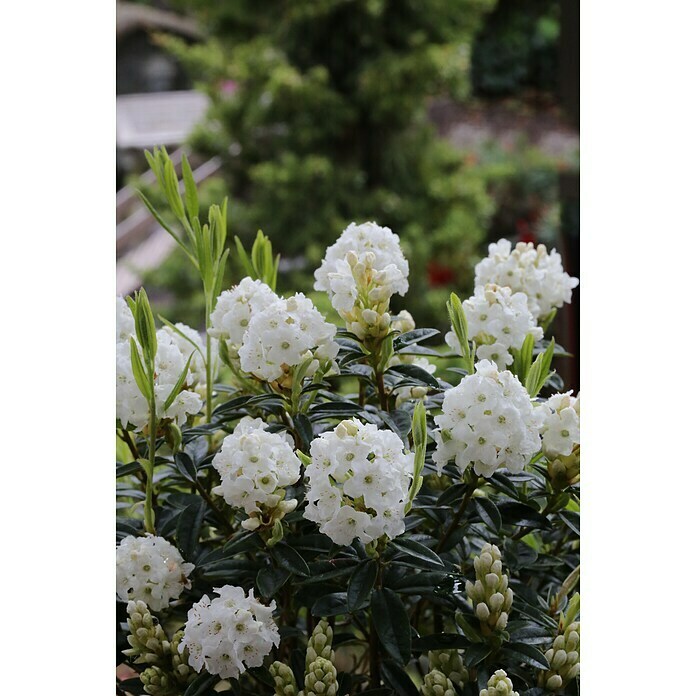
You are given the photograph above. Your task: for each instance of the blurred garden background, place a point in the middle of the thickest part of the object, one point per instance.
(453, 122)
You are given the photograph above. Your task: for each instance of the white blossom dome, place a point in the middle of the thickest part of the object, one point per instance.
(285, 334)
(229, 634)
(150, 569)
(560, 430)
(533, 271)
(125, 324)
(360, 239)
(234, 309)
(487, 421)
(131, 406)
(359, 480)
(192, 343)
(498, 320)
(255, 466)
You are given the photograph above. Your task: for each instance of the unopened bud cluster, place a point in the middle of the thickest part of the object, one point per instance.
(437, 684)
(564, 655)
(449, 662)
(361, 272)
(490, 594)
(321, 677)
(499, 685)
(168, 673)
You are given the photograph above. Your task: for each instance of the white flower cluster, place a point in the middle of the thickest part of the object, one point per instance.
(487, 421)
(361, 272)
(499, 685)
(359, 480)
(560, 430)
(151, 570)
(232, 314)
(254, 467)
(230, 633)
(285, 334)
(192, 343)
(170, 360)
(533, 271)
(498, 321)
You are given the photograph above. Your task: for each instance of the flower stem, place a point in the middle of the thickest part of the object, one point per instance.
(473, 485)
(150, 472)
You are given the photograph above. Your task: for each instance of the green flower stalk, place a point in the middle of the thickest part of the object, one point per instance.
(490, 594)
(449, 662)
(564, 654)
(499, 685)
(283, 680)
(437, 684)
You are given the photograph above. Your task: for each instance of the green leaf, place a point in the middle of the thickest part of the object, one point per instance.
(488, 512)
(186, 466)
(572, 520)
(441, 641)
(398, 679)
(415, 374)
(476, 653)
(360, 584)
(188, 529)
(190, 192)
(179, 384)
(330, 605)
(540, 370)
(392, 624)
(289, 559)
(411, 337)
(202, 685)
(523, 358)
(141, 378)
(522, 652)
(145, 326)
(418, 550)
(270, 580)
(461, 329)
(244, 258)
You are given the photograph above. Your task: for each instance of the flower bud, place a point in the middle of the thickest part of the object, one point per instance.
(436, 683)
(283, 679)
(564, 655)
(319, 644)
(449, 663)
(320, 678)
(499, 685)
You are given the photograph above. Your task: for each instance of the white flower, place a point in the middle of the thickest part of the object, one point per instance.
(361, 272)
(234, 308)
(533, 271)
(230, 633)
(172, 354)
(359, 480)
(560, 431)
(285, 334)
(192, 343)
(498, 321)
(125, 324)
(487, 421)
(255, 466)
(150, 569)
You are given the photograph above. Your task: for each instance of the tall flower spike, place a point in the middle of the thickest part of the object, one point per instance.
(283, 680)
(437, 684)
(564, 654)
(499, 685)
(490, 594)
(449, 662)
(148, 641)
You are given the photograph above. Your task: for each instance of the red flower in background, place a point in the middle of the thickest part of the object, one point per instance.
(439, 275)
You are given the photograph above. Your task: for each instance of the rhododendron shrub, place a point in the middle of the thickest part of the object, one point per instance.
(306, 508)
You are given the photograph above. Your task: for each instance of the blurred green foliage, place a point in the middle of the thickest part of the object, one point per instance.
(319, 114)
(517, 48)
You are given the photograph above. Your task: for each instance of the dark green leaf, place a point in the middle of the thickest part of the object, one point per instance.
(488, 512)
(475, 654)
(270, 580)
(202, 685)
(330, 605)
(572, 519)
(441, 641)
(188, 529)
(418, 550)
(522, 652)
(415, 336)
(503, 483)
(391, 621)
(360, 584)
(185, 465)
(303, 427)
(289, 559)
(397, 678)
(529, 633)
(416, 374)
(129, 468)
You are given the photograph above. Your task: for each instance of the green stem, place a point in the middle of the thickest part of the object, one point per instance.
(473, 485)
(208, 362)
(150, 473)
